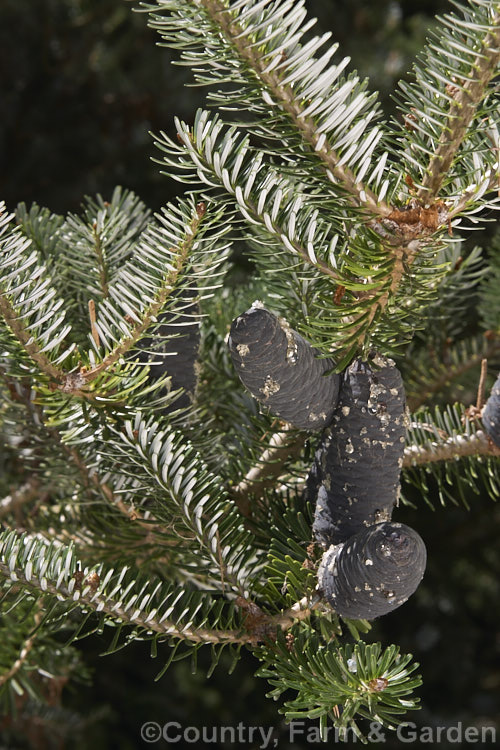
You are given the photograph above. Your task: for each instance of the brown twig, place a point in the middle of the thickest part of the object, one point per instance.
(451, 373)
(91, 597)
(25, 651)
(456, 446)
(282, 447)
(286, 99)
(482, 384)
(462, 111)
(93, 327)
(25, 494)
(301, 610)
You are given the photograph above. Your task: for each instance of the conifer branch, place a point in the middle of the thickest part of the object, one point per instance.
(266, 199)
(25, 494)
(30, 490)
(101, 603)
(361, 196)
(93, 478)
(25, 650)
(154, 308)
(250, 200)
(450, 372)
(151, 526)
(347, 220)
(467, 97)
(101, 262)
(281, 448)
(84, 589)
(455, 446)
(27, 341)
(211, 171)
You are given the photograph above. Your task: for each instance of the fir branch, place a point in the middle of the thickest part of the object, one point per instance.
(31, 489)
(335, 252)
(25, 650)
(468, 197)
(187, 496)
(28, 301)
(101, 262)
(448, 143)
(91, 599)
(153, 310)
(463, 109)
(258, 191)
(79, 268)
(286, 99)
(128, 311)
(92, 478)
(152, 535)
(340, 683)
(373, 264)
(281, 448)
(423, 387)
(28, 342)
(278, 71)
(453, 447)
(47, 570)
(450, 447)
(25, 494)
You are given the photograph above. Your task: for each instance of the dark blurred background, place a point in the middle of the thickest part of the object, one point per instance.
(81, 86)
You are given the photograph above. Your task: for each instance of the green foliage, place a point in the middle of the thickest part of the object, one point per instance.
(87, 251)
(32, 655)
(441, 87)
(322, 152)
(163, 469)
(186, 526)
(341, 682)
(31, 295)
(126, 600)
(442, 433)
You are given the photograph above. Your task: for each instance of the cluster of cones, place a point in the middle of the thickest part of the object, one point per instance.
(370, 564)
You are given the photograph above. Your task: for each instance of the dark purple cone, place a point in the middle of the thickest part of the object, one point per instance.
(374, 572)
(173, 349)
(282, 370)
(491, 414)
(354, 480)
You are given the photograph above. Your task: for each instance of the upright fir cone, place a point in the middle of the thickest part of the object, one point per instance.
(173, 350)
(491, 413)
(282, 370)
(374, 572)
(354, 480)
